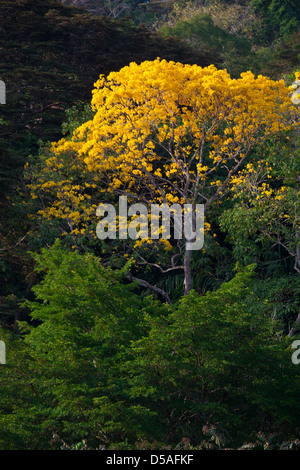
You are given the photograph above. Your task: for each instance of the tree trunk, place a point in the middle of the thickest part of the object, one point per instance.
(297, 260)
(295, 329)
(187, 271)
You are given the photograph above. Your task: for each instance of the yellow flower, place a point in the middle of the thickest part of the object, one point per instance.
(151, 136)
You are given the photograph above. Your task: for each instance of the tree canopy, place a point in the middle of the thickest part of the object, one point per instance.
(162, 140)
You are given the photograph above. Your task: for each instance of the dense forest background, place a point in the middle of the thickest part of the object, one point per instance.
(95, 356)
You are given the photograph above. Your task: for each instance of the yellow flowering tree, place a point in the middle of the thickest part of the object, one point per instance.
(164, 132)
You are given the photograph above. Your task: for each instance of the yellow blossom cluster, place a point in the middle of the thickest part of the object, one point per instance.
(152, 122)
(163, 130)
(64, 188)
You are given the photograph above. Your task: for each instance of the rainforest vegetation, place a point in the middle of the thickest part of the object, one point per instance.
(119, 343)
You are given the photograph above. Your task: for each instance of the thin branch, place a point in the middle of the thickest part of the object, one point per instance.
(12, 247)
(146, 284)
(159, 267)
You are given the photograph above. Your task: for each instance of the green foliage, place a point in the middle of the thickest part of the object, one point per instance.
(237, 18)
(214, 364)
(263, 224)
(101, 367)
(281, 17)
(282, 57)
(263, 227)
(66, 373)
(279, 293)
(202, 34)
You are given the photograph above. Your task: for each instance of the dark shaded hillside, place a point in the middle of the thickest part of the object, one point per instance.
(51, 55)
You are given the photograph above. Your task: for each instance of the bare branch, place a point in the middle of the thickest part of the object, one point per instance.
(146, 284)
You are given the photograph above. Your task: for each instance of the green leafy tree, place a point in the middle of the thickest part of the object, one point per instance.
(266, 213)
(281, 17)
(215, 371)
(99, 367)
(65, 378)
(263, 226)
